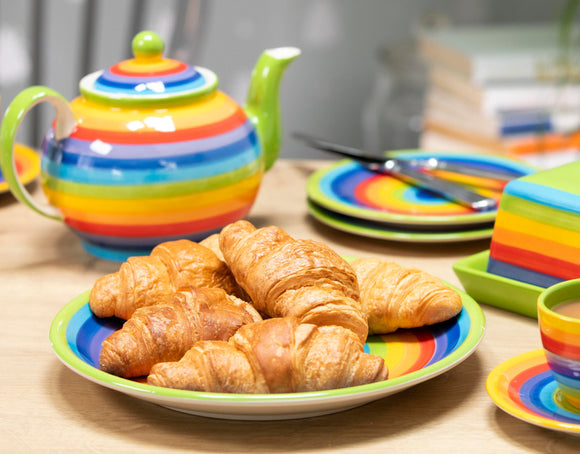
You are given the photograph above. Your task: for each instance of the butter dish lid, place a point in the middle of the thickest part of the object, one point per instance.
(148, 78)
(562, 178)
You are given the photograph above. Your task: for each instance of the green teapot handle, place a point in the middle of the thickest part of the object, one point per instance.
(18, 108)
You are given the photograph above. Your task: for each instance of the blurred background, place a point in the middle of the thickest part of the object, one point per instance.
(358, 81)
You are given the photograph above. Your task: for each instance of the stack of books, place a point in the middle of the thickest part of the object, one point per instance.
(501, 89)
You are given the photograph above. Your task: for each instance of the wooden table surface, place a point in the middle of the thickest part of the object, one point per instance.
(45, 407)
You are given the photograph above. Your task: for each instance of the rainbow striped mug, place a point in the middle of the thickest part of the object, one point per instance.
(560, 333)
(151, 151)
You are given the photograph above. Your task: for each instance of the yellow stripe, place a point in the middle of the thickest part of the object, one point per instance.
(90, 115)
(402, 352)
(518, 223)
(186, 215)
(243, 191)
(558, 328)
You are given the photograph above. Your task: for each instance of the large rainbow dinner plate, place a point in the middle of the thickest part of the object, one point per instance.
(27, 164)
(413, 356)
(348, 188)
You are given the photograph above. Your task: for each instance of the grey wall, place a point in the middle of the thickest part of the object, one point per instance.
(327, 91)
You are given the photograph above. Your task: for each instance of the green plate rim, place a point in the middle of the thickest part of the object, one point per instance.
(383, 232)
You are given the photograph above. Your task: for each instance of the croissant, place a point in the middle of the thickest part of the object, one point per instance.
(395, 297)
(145, 280)
(285, 277)
(164, 332)
(212, 242)
(276, 355)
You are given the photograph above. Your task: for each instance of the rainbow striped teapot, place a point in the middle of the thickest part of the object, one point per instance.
(151, 151)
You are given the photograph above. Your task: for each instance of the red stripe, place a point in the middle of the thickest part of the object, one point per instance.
(178, 228)
(147, 137)
(116, 69)
(560, 348)
(427, 343)
(534, 261)
(517, 382)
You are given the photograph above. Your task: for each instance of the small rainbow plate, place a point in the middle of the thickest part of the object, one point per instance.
(27, 164)
(350, 189)
(523, 387)
(413, 356)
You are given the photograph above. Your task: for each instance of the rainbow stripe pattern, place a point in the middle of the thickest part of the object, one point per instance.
(524, 387)
(536, 237)
(158, 154)
(405, 351)
(349, 188)
(561, 339)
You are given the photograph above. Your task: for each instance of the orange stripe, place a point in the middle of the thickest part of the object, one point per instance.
(184, 215)
(124, 68)
(132, 67)
(537, 244)
(91, 115)
(177, 228)
(147, 137)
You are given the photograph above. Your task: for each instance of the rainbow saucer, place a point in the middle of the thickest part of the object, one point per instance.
(27, 164)
(523, 387)
(348, 188)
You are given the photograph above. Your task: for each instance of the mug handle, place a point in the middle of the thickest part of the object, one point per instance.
(18, 108)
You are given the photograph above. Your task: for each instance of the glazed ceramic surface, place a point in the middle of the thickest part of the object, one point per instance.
(536, 237)
(394, 232)
(498, 291)
(151, 151)
(524, 387)
(412, 356)
(561, 338)
(348, 188)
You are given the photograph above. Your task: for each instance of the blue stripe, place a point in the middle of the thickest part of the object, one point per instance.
(500, 268)
(110, 79)
(57, 151)
(74, 325)
(537, 394)
(135, 244)
(544, 195)
(341, 182)
(169, 174)
(86, 333)
(167, 88)
(449, 335)
(538, 128)
(152, 150)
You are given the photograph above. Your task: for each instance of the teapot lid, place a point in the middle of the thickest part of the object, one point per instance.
(148, 78)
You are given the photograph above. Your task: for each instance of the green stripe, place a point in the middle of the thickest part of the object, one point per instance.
(153, 190)
(540, 213)
(377, 346)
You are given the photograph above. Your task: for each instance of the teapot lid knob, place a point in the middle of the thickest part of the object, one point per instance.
(148, 46)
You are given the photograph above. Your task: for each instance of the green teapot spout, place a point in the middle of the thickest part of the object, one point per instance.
(262, 105)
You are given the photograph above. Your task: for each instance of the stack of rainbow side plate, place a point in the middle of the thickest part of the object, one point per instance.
(348, 197)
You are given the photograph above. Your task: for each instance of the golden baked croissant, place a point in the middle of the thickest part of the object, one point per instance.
(212, 242)
(277, 355)
(285, 277)
(395, 297)
(145, 280)
(164, 332)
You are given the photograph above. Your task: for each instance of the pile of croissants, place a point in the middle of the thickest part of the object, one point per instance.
(254, 310)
